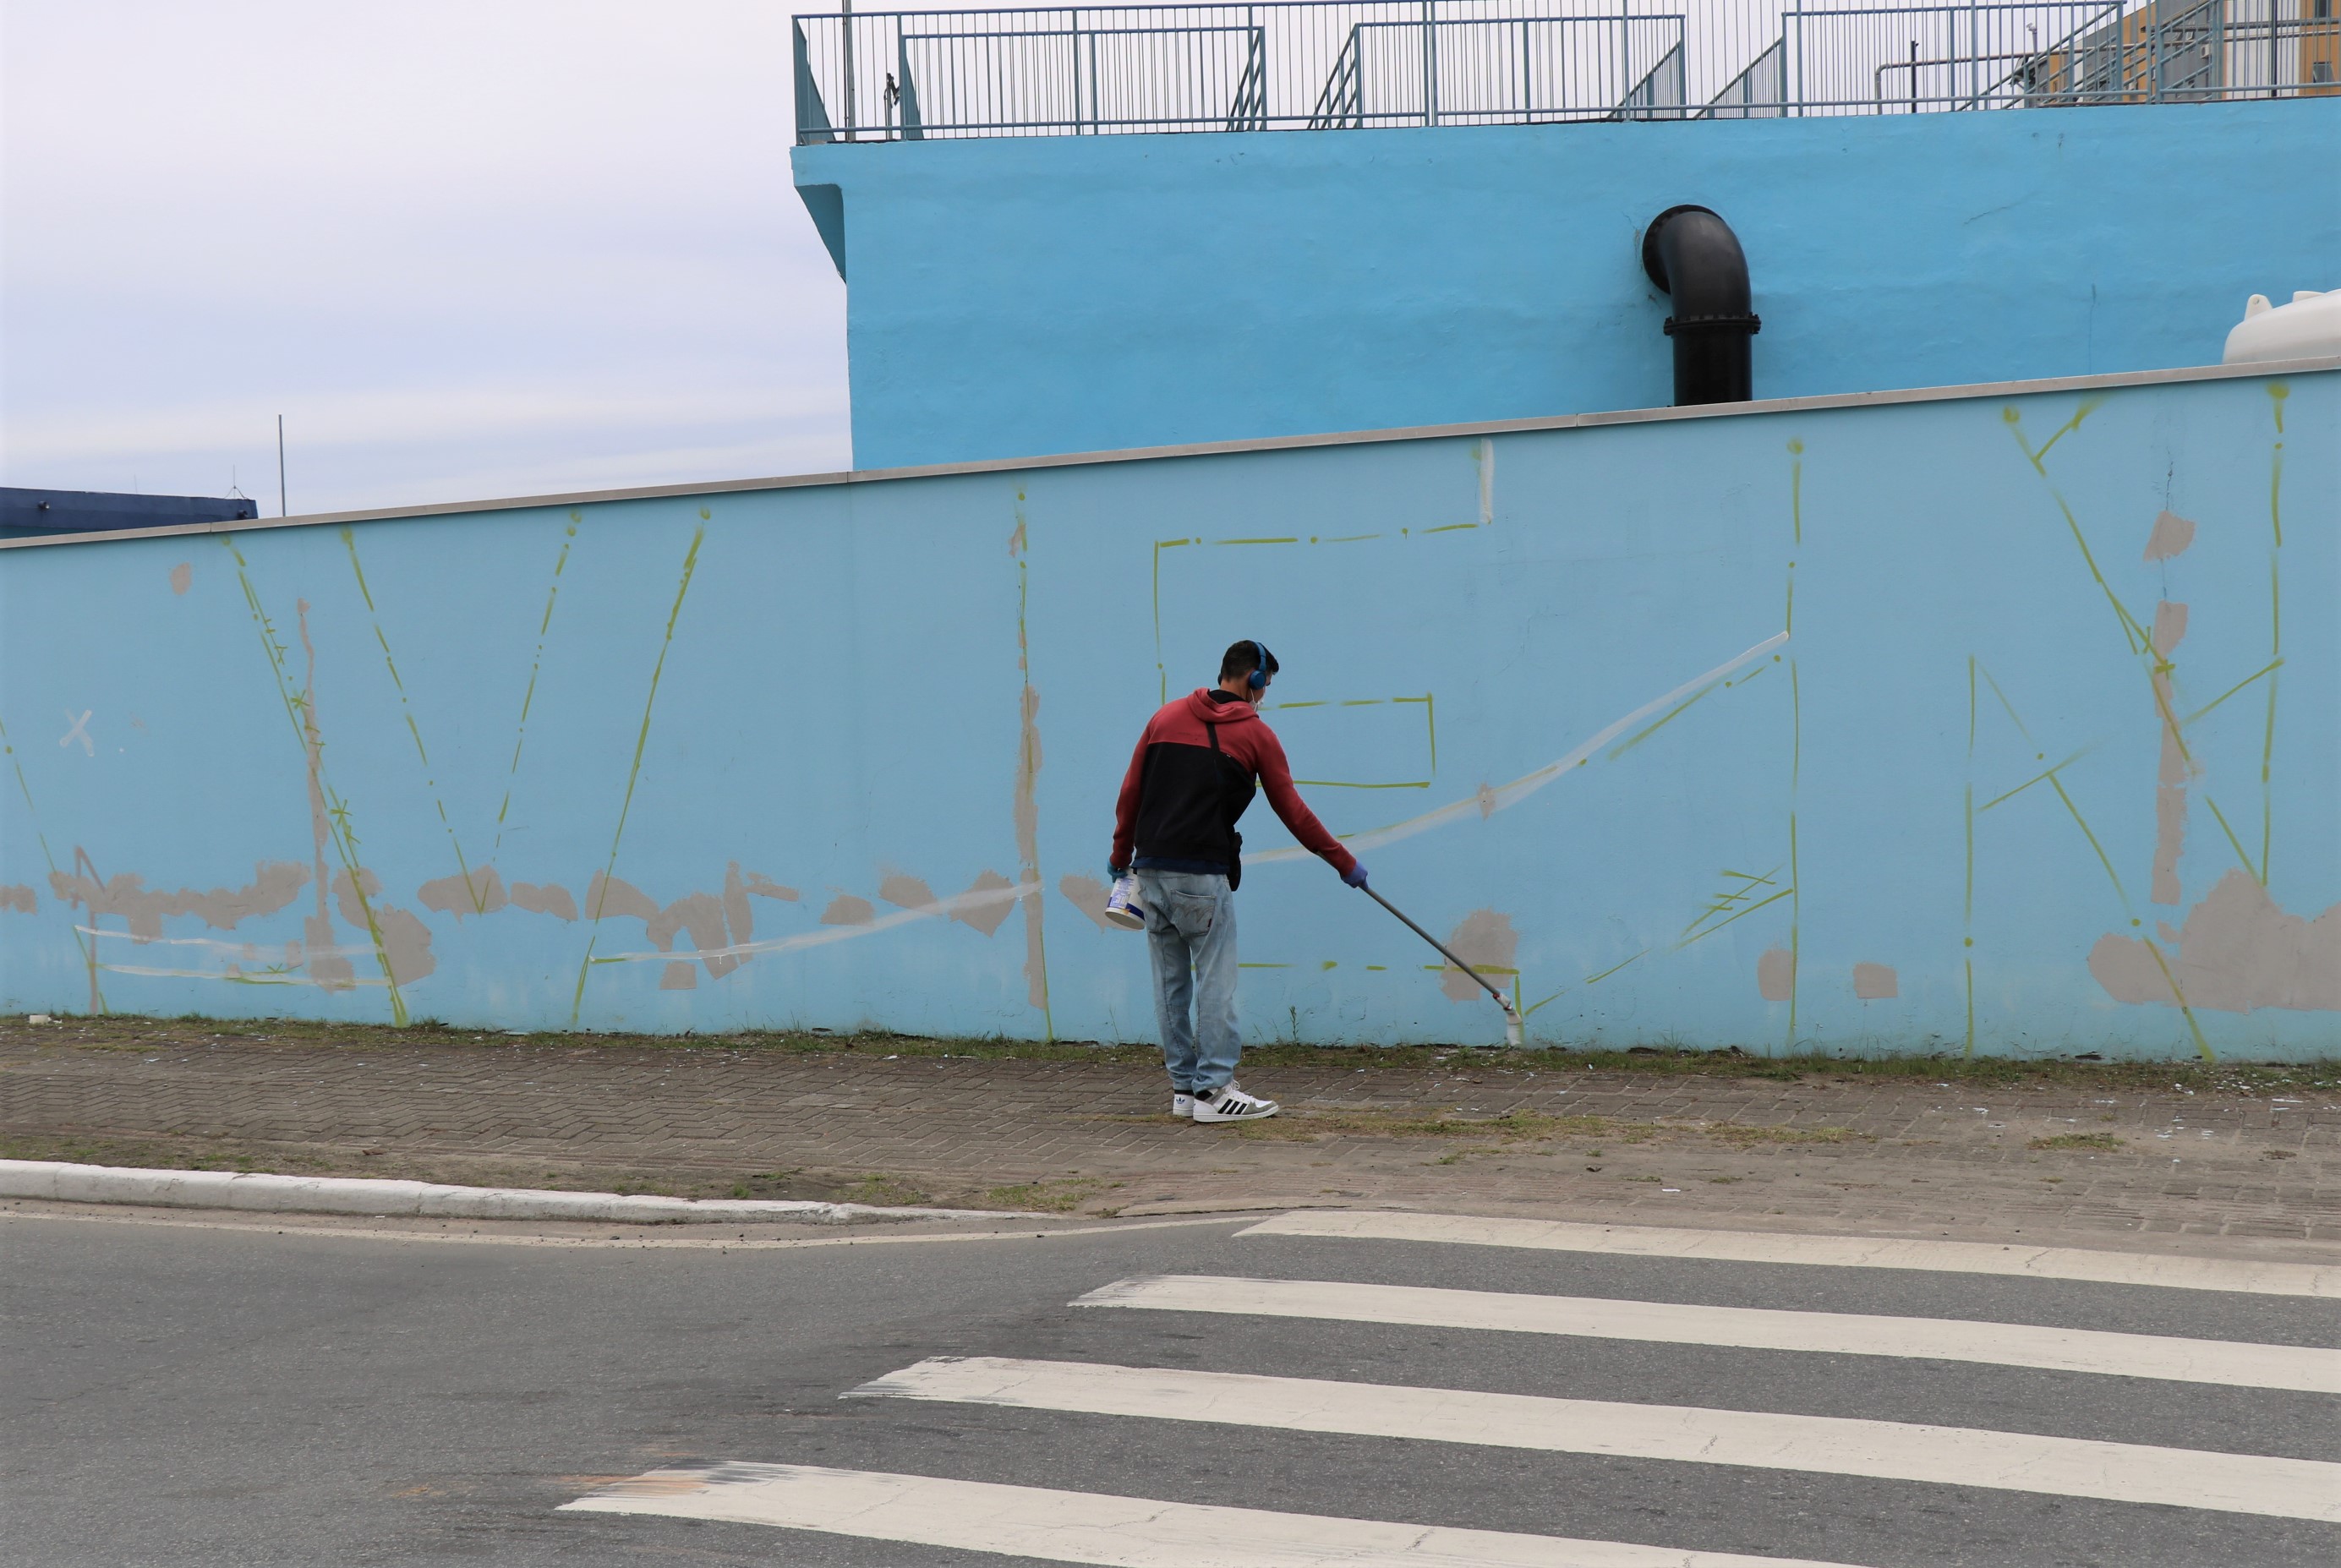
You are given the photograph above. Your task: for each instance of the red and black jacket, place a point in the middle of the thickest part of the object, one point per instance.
(1193, 774)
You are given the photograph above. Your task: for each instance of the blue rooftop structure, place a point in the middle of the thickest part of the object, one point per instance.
(1401, 215)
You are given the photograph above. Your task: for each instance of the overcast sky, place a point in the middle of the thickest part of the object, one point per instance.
(467, 248)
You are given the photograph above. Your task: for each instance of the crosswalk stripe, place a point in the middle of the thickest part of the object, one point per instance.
(1090, 1527)
(1884, 1450)
(2242, 1276)
(2306, 1369)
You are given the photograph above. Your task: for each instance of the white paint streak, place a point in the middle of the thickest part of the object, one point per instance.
(231, 947)
(245, 976)
(1090, 1527)
(942, 908)
(1487, 802)
(2308, 1369)
(2238, 1274)
(1762, 1440)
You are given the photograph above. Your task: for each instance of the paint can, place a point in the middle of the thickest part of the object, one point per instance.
(1121, 905)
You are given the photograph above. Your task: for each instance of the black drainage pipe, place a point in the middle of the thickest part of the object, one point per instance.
(1693, 255)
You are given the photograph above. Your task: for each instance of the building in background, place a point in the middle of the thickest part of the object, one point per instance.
(2172, 51)
(30, 511)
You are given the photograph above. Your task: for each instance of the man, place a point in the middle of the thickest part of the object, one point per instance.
(1192, 775)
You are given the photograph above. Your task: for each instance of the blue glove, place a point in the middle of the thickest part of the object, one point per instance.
(1355, 876)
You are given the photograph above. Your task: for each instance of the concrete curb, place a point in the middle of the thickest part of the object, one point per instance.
(61, 1182)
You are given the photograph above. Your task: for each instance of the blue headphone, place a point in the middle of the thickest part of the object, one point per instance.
(1258, 679)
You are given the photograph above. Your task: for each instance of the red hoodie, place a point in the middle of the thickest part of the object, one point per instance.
(1192, 775)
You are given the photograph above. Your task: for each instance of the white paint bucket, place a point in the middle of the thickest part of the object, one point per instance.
(1121, 905)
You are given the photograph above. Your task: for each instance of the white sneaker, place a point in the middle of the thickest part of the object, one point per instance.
(1231, 1104)
(1182, 1104)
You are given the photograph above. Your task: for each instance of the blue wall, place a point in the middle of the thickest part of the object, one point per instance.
(1799, 671)
(1018, 296)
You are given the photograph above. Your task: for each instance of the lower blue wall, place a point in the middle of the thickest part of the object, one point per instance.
(1024, 295)
(1837, 728)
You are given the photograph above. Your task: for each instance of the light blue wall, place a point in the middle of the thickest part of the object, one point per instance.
(1017, 296)
(838, 697)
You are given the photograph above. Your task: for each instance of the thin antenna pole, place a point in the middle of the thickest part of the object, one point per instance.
(280, 508)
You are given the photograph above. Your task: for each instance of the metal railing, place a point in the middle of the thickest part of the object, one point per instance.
(1353, 64)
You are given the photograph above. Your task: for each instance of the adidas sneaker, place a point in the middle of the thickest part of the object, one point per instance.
(1182, 1104)
(1231, 1104)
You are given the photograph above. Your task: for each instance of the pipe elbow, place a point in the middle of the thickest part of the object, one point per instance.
(1691, 253)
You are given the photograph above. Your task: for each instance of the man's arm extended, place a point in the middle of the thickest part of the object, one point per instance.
(1276, 780)
(1125, 808)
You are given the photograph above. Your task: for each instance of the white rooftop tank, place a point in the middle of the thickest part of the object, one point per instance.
(2308, 328)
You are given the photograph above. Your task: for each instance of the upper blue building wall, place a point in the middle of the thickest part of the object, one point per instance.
(1013, 297)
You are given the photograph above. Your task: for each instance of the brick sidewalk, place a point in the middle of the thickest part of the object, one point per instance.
(1825, 1151)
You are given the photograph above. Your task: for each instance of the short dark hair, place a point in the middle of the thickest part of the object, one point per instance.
(1243, 658)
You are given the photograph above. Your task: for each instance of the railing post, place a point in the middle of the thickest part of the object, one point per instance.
(846, 99)
(1792, 61)
(1527, 74)
(1626, 69)
(1974, 61)
(1430, 61)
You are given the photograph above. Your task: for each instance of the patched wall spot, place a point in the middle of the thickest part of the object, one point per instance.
(1876, 982)
(906, 892)
(1486, 941)
(990, 913)
(480, 892)
(1776, 975)
(17, 897)
(2171, 535)
(607, 895)
(1087, 895)
(2237, 951)
(544, 898)
(275, 884)
(183, 577)
(403, 939)
(845, 910)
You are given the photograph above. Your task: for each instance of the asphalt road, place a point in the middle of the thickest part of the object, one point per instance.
(189, 1396)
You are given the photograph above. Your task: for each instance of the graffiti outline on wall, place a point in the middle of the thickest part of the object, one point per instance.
(2195, 932)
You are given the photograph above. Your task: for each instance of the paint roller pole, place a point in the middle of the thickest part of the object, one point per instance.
(1511, 1019)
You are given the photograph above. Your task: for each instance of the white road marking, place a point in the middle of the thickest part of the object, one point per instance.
(1825, 1445)
(2238, 1274)
(2308, 1369)
(1090, 1527)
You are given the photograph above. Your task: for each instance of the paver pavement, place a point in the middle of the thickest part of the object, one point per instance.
(2251, 1162)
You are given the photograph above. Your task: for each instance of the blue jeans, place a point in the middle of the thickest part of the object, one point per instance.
(1190, 930)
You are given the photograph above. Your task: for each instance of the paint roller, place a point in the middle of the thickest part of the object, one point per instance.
(1511, 1017)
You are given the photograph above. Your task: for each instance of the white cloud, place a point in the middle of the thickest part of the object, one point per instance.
(563, 231)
